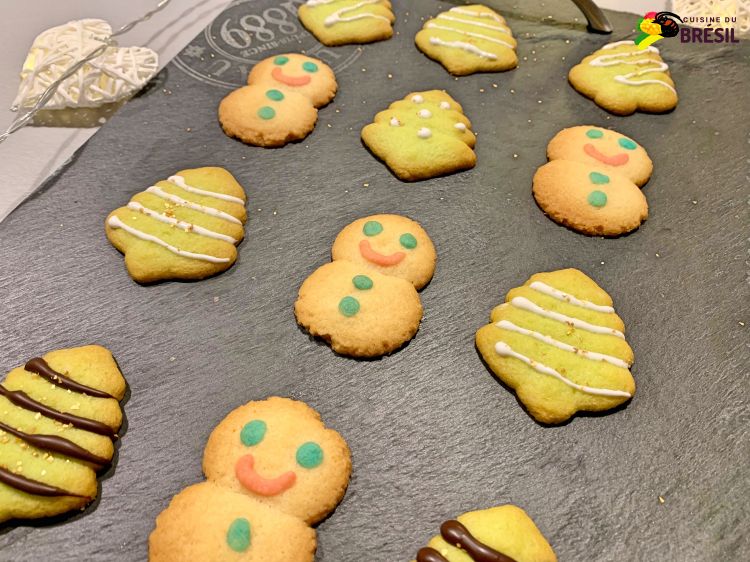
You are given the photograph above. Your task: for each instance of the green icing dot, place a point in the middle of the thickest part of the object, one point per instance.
(274, 95)
(309, 66)
(309, 455)
(362, 282)
(372, 228)
(253, 432)
(348, 306)
(597, 198)
(598, 179)
(408, 241)
(266, 112)
(627, 144)
(594, 134)
(281, 61)
(238, 535)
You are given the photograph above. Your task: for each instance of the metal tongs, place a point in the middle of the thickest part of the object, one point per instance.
(598, 22)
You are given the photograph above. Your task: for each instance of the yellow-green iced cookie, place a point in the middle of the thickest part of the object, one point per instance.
(469, 39)
(623, 78)
(184, 227)
(273, 469)
(558, 343)
(498, 534)
(340, 22)
(58, 416)
(424, 135)
(391, 244)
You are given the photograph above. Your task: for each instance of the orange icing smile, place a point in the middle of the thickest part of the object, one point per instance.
(376, 257)
(279, 75)
(245, 472)
(616, 160)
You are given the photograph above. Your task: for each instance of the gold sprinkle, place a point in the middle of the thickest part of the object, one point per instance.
(37, 416)
(366, 185)
(216, 299)
(44, 472)
(661, 499)
(19, 463)
(741, 323)
(390, 75)
(481, 90)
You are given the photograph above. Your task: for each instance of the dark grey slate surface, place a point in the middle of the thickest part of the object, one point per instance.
(432, 433)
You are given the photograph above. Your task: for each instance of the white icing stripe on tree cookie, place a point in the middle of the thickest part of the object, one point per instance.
(488, 15)
(468, 47)
(336, 17)
(525, 304)
(179, 181)
(622, 58)
(444, 16)
(567, 297)
(183, 225)
(156, 190)
(626, 79)
(115, 222)
(504, 350)
(626, 42)
(432, 25)
(592, 355)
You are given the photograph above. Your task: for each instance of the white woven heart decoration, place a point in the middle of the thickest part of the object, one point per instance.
(118, 73)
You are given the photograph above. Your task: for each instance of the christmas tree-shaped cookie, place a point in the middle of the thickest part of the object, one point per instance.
(558, 343)
(424, 135)
(340, 22)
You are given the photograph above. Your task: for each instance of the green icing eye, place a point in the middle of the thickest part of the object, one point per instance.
(408, 241)
(362, 282)
(309, 455)
(253, 433)
(372, 228)
(309, 66)
(266, 112)
(238, 535)
(348, 306)
(594, 134)
(627, 144)
(598, 179)
(274, 95)
(281, 61)
(597, 198)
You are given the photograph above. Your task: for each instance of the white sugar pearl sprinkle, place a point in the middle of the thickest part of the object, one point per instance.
(424, 133)
(425, 113)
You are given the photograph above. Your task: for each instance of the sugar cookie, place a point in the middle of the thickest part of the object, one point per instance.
(558, 343)
(340, 22)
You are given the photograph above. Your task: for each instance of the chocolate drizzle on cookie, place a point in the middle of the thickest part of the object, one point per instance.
(454, 533)
(32, 486)
(57, 445)
(40, 367)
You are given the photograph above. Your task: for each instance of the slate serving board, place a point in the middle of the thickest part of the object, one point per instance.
(431, 431)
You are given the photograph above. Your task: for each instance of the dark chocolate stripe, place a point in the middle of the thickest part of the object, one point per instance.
(32, 486)
(23, 400)
(454, 533)
(41, 367)
(428, 554)
(56, 445)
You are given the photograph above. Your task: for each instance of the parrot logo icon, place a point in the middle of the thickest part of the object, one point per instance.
(655, 26)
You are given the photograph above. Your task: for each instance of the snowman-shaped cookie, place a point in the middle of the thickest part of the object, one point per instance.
(280, 103)
(273, 469)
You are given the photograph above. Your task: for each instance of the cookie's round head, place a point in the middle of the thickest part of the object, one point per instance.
(279, 452)
(293, 72)
(602, 149)
(391, 244)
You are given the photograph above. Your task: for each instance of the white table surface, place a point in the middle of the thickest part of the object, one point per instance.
(32, 154)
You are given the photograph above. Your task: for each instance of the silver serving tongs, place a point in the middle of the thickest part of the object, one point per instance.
(598, 22)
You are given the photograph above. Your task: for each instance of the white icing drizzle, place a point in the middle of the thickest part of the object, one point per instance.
(592, 355)
(395, 122)
(424, 133)
(525, 304)
(183, 225)
(425, 113)
(488, 15)
(446, 17)
(468, 47)
(567, 297)
(179, 181)
(445, 105)
(416, 98)
(156, 190)
(620, 58)
(336, 17)
(504, 350)
(115, 222)
(481, 36)
(460, 126)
